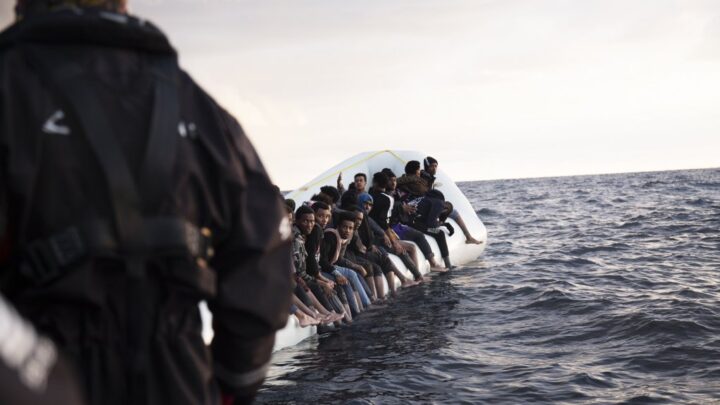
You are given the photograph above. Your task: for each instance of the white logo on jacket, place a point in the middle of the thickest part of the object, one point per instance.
(52, 125)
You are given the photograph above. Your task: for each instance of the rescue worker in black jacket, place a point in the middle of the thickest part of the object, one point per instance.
(127, 196)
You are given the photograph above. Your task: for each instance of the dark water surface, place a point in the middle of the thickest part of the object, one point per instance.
(593, 289)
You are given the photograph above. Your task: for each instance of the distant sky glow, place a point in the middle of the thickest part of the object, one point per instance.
(492, 89)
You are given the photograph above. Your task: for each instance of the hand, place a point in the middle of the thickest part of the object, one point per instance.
(387, 241)
(362, 271)
(326, 289)
(408, 209)
(450, 228)
(363, 249)
(342, 280)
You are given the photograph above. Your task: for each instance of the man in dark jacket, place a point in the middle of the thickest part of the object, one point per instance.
(127, 196)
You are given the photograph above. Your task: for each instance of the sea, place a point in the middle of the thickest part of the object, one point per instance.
(593, 289)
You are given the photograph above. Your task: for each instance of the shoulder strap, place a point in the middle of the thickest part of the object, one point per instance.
(71, 87)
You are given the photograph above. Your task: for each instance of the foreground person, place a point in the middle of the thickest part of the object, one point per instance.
(142, 200)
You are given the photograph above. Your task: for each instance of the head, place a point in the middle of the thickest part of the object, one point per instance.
(360, 181)
(380, 181)
(348, 198)
(412, 168)
(332, 192)
(305, 219)
(24, 8)
(322, 213)
(430, 165)
(357, 215)
(346, 225)
(322, 197)
(290, 209)
(365, 202)
(392, 179)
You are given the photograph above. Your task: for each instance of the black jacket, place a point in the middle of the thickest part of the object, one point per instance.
(50, 180)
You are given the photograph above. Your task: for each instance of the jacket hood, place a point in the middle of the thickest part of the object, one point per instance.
(79, 26)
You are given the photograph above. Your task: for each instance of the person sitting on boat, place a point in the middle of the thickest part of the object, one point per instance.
(360, 182)
(332, 192)
(332, 261)
(411, 182)
(428, 175)
(400, 217)
(378, 214)
(364, 246)
(432, 211)
(318, 290)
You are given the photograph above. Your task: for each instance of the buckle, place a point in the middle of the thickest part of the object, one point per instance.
(45, 258)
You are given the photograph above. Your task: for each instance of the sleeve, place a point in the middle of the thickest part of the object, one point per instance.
(380, 211)
(313, 245)
(253, 265)
(436, 207)
(325, 249)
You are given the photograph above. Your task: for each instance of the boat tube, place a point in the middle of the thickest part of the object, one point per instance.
(370, 163)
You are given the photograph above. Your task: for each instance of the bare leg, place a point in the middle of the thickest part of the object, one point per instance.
(468, 237)
(379, 287)
(412, 252)
(302, 307)
(371, 284)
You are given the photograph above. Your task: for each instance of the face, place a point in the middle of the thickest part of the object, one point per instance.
(367, 205)
(432, 169)
(360, 183)
(392, 184)
(346, 229)
(358, 218)
(305, 223)
(322, 217)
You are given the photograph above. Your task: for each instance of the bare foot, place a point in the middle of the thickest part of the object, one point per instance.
(473, 241)
(409, 283)
(306, 320)
(439, 269)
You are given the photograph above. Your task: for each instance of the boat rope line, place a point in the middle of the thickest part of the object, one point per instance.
(334, 174)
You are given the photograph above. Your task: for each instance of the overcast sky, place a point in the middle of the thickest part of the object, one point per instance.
(492, 89)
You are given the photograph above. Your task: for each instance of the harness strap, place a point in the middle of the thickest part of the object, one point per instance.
(46, 259)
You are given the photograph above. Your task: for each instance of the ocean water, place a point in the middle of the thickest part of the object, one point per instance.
(593, 289)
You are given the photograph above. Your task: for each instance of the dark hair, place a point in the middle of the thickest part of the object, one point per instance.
(289, 205)
(348, 198)
(303, 210)
(353, 208)
(332, 192)
(361, 174)
(322, 197)
(319, 205)
(428, 161)
(389, 173)
(346, 216)
(380, 179)
(411, 167)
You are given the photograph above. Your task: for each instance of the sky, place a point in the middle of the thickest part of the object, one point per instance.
(492, 89)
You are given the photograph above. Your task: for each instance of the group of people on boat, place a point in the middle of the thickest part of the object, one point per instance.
(343, 239)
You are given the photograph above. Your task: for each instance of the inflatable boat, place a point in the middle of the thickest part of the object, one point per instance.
(370, 163)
